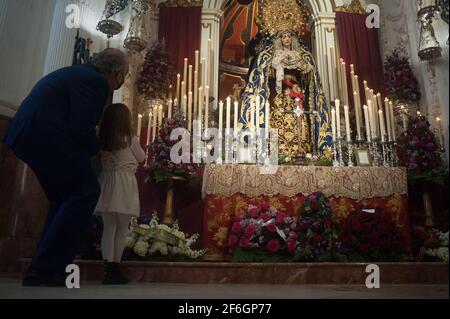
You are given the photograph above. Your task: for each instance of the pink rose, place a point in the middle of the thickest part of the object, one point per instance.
(273, 246)
(244, 242)
(265, 216)
(291, 245)
(232, 241)
(253, 212)
(239, 218)
(280, 218)
(250, 231)
(237, 227)
(265, 206)
(272, 227)
(293, 236)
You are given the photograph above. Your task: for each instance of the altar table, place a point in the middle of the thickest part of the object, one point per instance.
(228, 190)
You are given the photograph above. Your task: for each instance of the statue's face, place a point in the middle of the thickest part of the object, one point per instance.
(286, 40)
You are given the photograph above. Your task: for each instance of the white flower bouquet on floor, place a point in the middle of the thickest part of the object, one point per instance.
(153, 239)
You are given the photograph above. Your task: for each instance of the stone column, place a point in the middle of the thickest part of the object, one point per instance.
(61, 41)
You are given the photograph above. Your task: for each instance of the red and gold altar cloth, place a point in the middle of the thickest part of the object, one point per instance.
(228, 190)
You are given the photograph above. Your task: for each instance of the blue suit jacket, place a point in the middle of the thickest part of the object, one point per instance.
(60, 115)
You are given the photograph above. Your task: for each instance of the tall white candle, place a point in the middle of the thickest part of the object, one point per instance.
(367, 119)
(195, 109)
(357, 115)
(183, 93)
(160, 116)
(190, 111)
(139, 126)
(149, 127)
(169, 112)
(206, 107)
(202, 72)
(189, 82)
(371, 119)
(200, 108)
(333, 123)
(185, 71)
(221, 118)
(388, 119)
(228, 117)
(338, 118)
(382, 126)
(393, 121)
(178, 87)
(347, 124)
(154, 126)
(185, 101)
(344, 75)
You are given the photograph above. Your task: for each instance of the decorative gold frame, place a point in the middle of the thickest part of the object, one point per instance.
(354, 7)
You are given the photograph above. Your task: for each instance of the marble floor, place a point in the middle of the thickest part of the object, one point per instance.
(11, 289)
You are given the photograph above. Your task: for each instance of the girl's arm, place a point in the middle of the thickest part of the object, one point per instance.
(137, 150)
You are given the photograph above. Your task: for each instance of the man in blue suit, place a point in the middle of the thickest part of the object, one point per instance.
(54, 132)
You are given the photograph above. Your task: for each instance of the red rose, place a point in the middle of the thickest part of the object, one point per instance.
(237, 227)
(265, 216)
(253, 212)
(273, 246)
(239, 218)
(232, 241)
(265, 206)
(250, 231)
(244, 242)
(293, 236)
(291, 245)
(280, 218)
(272, 227)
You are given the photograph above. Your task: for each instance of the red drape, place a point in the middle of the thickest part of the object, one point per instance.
(360, 46)
(181, 29)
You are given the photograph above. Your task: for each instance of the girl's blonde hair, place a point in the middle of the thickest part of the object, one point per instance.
(115, 129)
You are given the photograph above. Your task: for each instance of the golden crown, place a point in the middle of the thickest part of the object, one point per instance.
(282, 15)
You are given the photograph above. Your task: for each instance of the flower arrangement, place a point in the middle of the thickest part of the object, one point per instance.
(263, 233)
(154, 79)
(316, 231)
(161, 166)
(371, 237)
(145, 241)
(419, 152)
(401, 84)
(441, 253)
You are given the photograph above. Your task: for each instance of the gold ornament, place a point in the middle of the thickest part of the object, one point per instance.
(282, 15)
(354, 7)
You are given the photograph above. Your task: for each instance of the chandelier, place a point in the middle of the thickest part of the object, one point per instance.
(107, 25)
(429, 47)
(137, 38)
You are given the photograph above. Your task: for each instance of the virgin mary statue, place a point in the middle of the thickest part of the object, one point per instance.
(285, 74)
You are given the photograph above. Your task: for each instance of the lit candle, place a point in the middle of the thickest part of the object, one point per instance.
(178, 87)
(206, 107)
(371, 119)
(333, 123)
(160, 116)
(149, 127)
(347, 124)
(393, 121)
(190, 111)
(367, 119)
(344, 79)
(169, 112)
(267, 119)
(183, 93)
(228, 119)
(357, 114)
(441, 136)
(154, 126)
(196, 74)
(200, 108)
(139, 126)
(338, 118)
(195, 94)
(170, 92)
(382, 126)
(220, 118)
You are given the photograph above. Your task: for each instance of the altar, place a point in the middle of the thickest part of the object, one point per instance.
(228, 190)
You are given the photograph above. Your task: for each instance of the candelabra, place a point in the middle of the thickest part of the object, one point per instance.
(335, 161)
(385, 153)
(350, 147)
(341, 157)
(375, 152)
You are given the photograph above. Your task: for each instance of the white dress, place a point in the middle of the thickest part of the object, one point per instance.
(119, 190)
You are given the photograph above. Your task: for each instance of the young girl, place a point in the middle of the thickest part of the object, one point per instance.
(119, 200)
